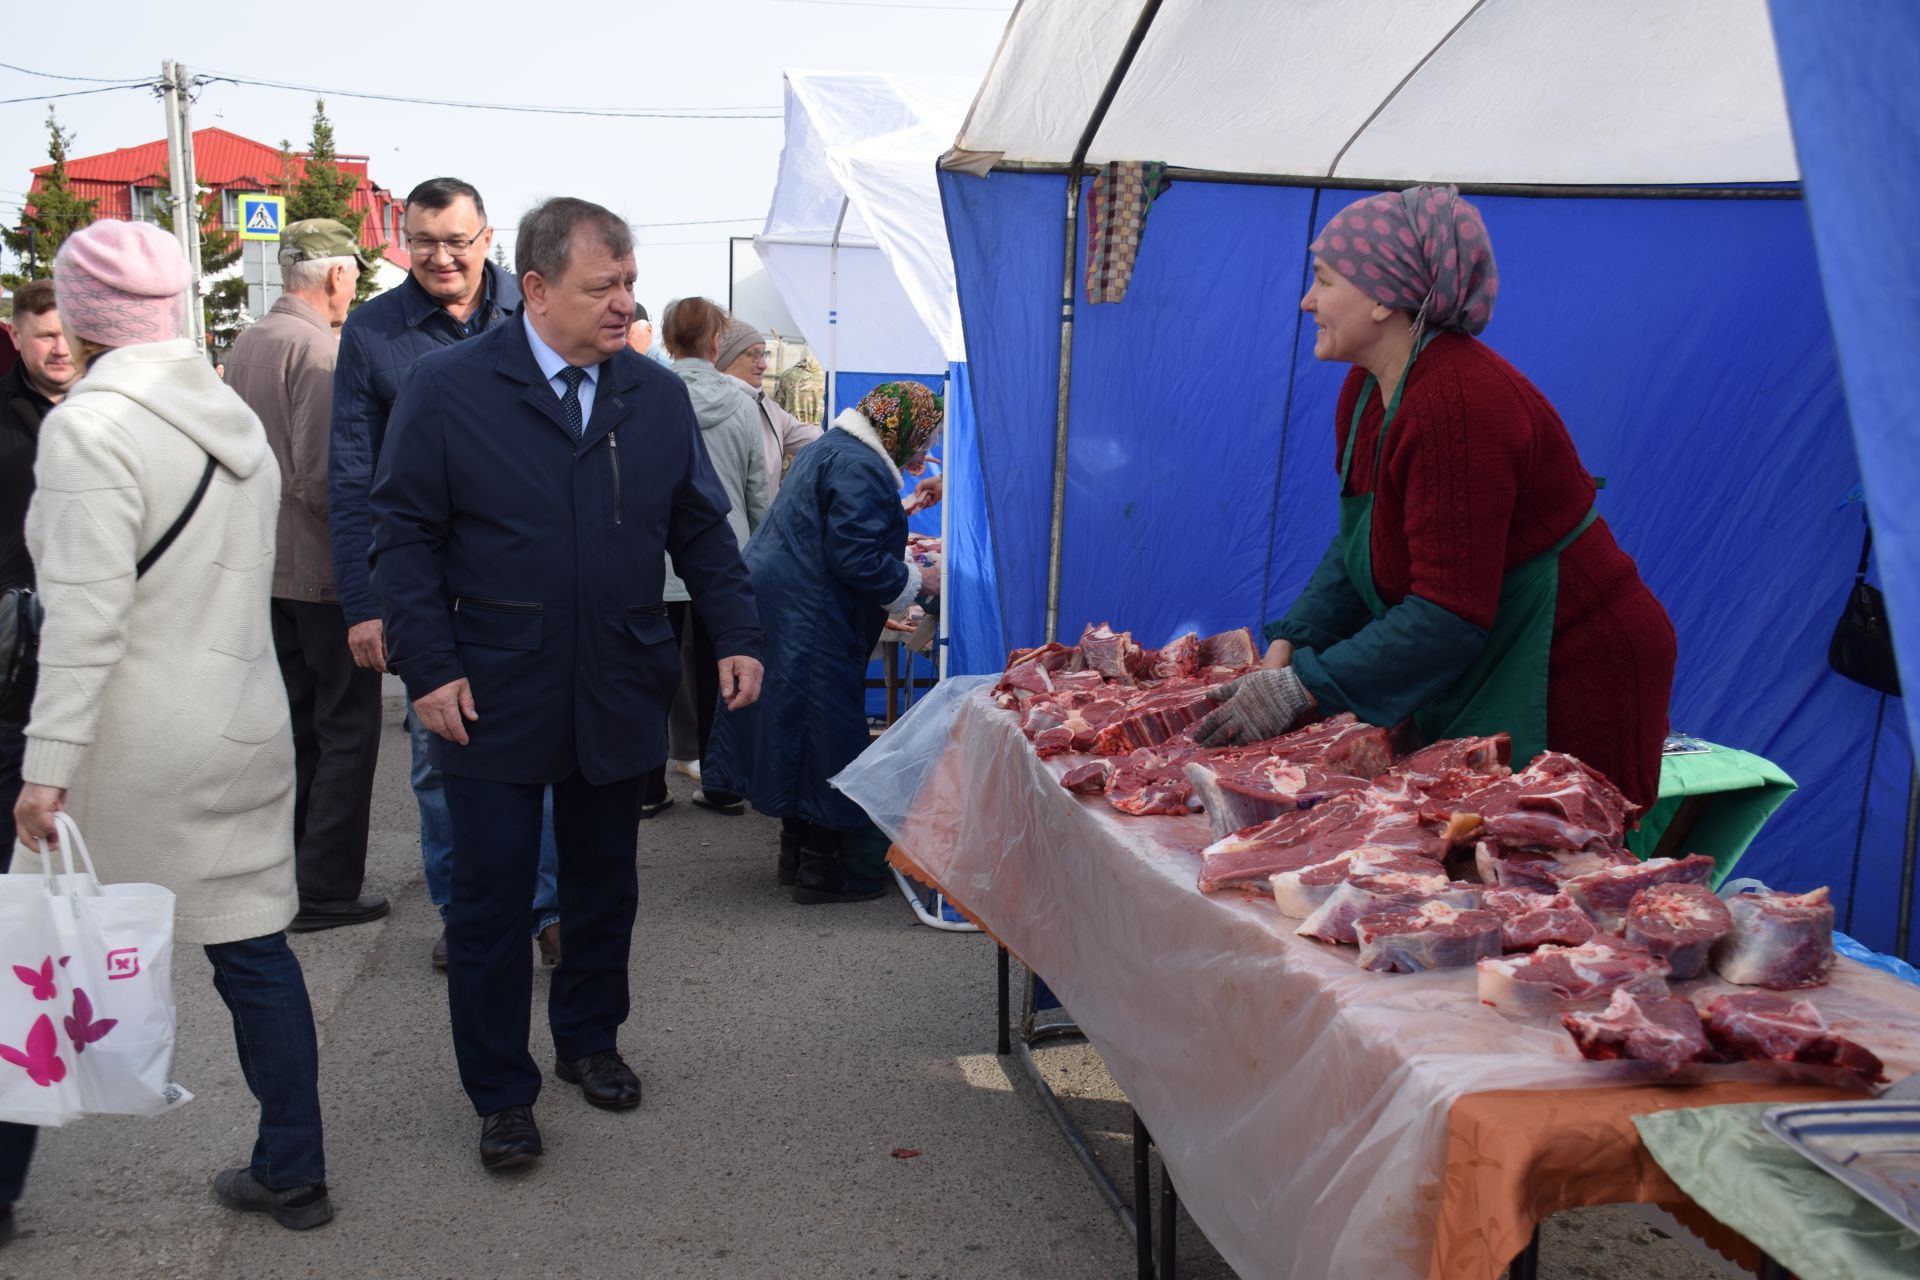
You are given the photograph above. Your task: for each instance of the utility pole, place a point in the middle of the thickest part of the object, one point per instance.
(185, 195)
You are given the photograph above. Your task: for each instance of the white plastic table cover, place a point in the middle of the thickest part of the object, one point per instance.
(1300, 1101)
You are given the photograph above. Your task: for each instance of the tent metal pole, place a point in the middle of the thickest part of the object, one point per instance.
(833, 309)
(1075, 172)
(1903, 934)
(1543, 190)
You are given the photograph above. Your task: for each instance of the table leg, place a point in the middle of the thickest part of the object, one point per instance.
(1527, 1265)
(1142, 1200)
(1006, 1012)
(1169, 1220)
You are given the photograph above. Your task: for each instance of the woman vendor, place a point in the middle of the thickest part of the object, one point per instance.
(829, 568)
(1472, 585)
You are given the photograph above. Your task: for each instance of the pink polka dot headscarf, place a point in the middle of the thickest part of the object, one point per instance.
(1423, 250)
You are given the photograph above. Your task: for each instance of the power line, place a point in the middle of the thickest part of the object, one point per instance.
(126, 81)
(74, 93)
(616, 113)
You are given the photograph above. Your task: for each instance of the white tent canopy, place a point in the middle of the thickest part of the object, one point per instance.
(1497, 91)
(857, 171)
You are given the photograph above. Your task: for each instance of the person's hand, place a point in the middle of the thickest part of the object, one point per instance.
(33, 814)
(927, 494)
(929, 579)
(1261, 704)
(893, 625)
(445, 709)
(740, 681)
(1279, 654)
(368, 641)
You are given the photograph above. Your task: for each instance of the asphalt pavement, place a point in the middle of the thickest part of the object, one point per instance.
(821, 1100)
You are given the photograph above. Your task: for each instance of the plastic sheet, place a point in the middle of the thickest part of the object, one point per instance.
(1301, 1103)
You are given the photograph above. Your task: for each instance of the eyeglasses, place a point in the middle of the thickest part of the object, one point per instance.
(459, 247)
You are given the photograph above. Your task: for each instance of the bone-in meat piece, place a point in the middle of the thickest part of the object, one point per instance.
(1109, 652)
(1529, 919)
(1245, 793)
(1365, 895)
(1304, 890)
(1427, 935)
(1605, 895)
(1234, 649)
(1554, 979)
(1759, 1025)
(1375, 815)
(1088, 779)
(1157, 717)
(1679, 923)
(1663, 1030)
(1543, 870)
(1778, 940)
(1556, 802)
(1180, 658)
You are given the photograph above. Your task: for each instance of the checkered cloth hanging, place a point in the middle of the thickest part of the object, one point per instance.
(1116, 218)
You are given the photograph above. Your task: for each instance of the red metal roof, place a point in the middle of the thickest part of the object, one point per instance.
(222, 160)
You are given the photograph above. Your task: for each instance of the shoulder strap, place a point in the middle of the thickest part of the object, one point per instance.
(166, 539)
(1866, 548)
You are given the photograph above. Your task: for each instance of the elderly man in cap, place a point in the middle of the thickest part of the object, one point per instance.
(283, 368)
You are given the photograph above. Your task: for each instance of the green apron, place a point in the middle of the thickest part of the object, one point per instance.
(1505, 690)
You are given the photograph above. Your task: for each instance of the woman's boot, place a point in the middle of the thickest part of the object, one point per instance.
(793, 832)
(823, 878)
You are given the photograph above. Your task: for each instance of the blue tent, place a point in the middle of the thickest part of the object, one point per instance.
(1668, 300)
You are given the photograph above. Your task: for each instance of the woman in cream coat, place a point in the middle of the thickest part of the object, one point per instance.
(160, 722)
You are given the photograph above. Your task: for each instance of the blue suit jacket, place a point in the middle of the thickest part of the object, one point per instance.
(508, 553)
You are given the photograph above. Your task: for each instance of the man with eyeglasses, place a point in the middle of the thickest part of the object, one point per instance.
(452, 292)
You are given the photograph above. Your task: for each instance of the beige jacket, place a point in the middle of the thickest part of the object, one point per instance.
(160, 705)
(283, 368)
(781, 434)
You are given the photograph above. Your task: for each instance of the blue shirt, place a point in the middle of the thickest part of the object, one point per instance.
(551, 362)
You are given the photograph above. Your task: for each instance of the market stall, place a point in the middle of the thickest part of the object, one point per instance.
(1317, 1118)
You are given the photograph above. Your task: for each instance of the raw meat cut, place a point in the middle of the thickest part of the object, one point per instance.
(1663, 1030)
(1232, 649)
(1543, 870)
(1245, 793)
(1153, 719)
(1778, 940)
(1554, 979)
(1555, 802)
(1180, 658)
(1304, 890)
(1529, 919)
(1429, 935)
(1758, 1025)
(1113, 654)
(1382, 814)
(1364, 895)
(1679, 923)
(1089, 779)
(1606, 894)
(1452, 768)
(1149, 781)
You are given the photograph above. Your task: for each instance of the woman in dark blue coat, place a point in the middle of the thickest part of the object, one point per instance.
(829, 566)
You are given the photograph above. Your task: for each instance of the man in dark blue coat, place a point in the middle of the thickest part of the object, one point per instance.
(531, 483)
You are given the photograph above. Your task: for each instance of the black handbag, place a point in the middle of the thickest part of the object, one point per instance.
(21, 612)
(1862, 645)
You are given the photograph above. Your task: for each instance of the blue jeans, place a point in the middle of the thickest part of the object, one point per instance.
(436, 836)
(266, 993)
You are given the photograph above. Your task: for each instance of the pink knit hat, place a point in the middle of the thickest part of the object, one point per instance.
(120, 283)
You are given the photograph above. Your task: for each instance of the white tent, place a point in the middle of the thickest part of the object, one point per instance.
(856, 226)
(1503, 91)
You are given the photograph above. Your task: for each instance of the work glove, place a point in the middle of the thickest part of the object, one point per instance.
(1263, 704)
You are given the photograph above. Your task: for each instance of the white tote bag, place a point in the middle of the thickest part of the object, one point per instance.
(86, 992)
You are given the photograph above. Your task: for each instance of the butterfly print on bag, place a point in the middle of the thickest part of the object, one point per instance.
(41, 1058)
(82, 1029)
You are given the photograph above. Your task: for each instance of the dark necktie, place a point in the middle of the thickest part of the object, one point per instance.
(570, 402)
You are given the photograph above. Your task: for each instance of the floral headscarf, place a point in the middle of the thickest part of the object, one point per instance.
(905, 415)
(1423, 250)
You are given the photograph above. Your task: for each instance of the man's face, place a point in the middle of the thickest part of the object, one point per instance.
(584, 314)
(432, 237)
(44, 351)
(640, 336)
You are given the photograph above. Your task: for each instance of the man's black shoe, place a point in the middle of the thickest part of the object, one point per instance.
(297, 1209)
(604, 1078)
(331, 914)
(509, 1138)
(789, 866)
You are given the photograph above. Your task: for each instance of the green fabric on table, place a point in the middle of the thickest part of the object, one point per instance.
(1748, 789)
(1756, 1184)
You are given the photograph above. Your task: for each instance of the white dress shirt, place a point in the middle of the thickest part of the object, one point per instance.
(551, 362)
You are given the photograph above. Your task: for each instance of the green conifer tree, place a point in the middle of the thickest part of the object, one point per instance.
(319, 188)
(53, 213)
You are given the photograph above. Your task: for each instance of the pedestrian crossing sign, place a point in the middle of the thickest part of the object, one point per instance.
(261, 216)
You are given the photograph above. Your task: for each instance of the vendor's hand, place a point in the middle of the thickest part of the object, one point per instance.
(33, 814)
(740, 682)
(368, 641)
(1279, 654)
(1262, 704)
(445, 710)
(929, 579)
(893, 625)
(927, 494)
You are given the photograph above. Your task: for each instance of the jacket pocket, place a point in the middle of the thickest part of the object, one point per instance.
(498, 624)
(649, 624)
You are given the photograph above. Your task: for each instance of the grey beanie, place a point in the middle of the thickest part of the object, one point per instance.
(735, 339)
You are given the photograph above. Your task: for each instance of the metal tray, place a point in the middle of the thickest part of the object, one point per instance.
(1873, 1147)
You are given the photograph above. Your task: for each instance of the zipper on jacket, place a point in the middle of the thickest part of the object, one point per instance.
(613, 456)
(500, 606)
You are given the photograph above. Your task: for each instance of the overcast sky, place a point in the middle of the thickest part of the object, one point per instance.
(698, 55)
